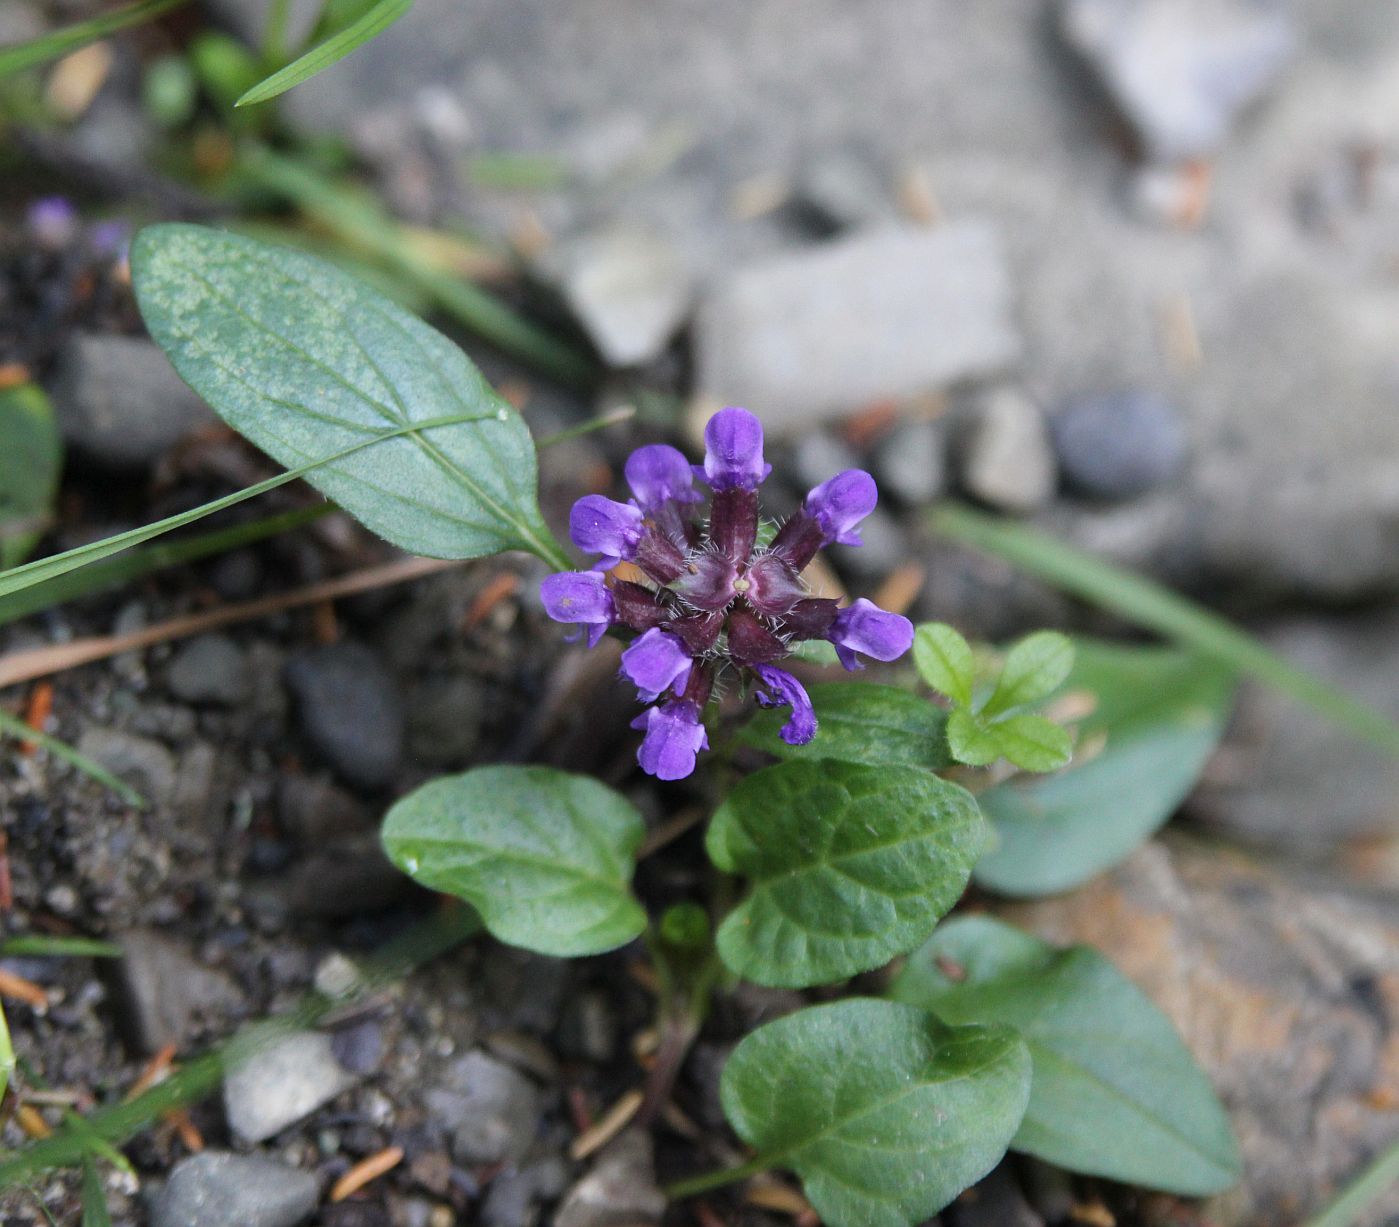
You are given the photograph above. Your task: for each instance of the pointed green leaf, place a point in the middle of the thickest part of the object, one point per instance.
(1035, 668)
(1159, 714)
(1032, 743)
(884, 1113)
(337, 46)
(544, 856)
(850, 866)
(19, 56)
(95, 1213)
(860, 723)
(1115, 1092)
(945, 661)
(970, 739)
(29, 467)
(306, 362)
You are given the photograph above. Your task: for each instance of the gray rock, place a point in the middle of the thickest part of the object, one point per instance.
(818, 457)
(995, 1201)
(313, 811)
(282, 1083)
(911, 462)
(209, 669)
(892, 313)
(166, 997)
(142, 762)
(838, 191)
(620, 1188)
(1007, 458)
(349, 709)
(885, 546)
(349, 877)
(120, 403)
(1280, 984)
(1119, 445)
(218, 1189)
(513, 1196)
(491, 1109)
(444, 720)
(629, 288)
(1181, 70)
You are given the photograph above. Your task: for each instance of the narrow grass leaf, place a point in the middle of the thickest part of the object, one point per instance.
(58, 43)
(14, 727)
(95, 1213)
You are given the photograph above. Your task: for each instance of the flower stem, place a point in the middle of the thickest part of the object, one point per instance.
(715, 1179)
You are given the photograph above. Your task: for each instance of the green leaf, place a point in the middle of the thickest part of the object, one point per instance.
(1159, 715)
(884, 1113)
(95, 1212)
(971, 740)
(850, 866)
(336, 47)
(44, 945)
(15, 728)
(860, 723)
(7, 1054)
(19, 56)
(1148, 604)
(1115, 1092)
(945, 661)
(1034, 669)
(305, 361)
(1033, 743)
(544, 856)
(30, 462)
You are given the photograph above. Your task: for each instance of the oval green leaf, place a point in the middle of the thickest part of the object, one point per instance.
(945, 661)
(850, 866)
(544, 856)
(860, 723)
(306, 362)
(1161, 713)
(1115, 1092)
(30, 462)
(1032, 743)
(885, 1113)
(1035, 668)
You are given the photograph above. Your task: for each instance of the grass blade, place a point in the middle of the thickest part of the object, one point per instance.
(13, 726)
(1149, 604)
(41, 945)
(95, 1212)
(323, 55)
(1358, 1196)
(58, 43)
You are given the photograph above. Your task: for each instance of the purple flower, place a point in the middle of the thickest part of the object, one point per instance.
(658, 475)
(733, 451)
(841, 503)
(581, 597)
(601, 526)
(53, 221)
(656, 662)
(780, 688)
(674, 738)
(710, 602)
(864, 627)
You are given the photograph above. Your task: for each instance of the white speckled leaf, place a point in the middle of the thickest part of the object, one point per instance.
(305, 362)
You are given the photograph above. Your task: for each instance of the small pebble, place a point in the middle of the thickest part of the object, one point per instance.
(209, 669)
(1007, 459)
(1119, 445)
(282, 1083)
(218, 1189)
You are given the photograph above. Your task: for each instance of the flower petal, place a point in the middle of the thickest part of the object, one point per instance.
(579, 597)
(733, 451)
(841, 503)
(674, 737)
(659, 474)
(603, 526)
(864, 627)
(780, 688)
(656, 662)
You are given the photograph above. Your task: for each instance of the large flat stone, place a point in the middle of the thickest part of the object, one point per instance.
(890, 313)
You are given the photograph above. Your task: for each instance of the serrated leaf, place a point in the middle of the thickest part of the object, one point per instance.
(305, 362)
(544, 856)
(1032, 743)
(858, 722)
(945, 661)
(970, 740)
(850, 865)
(885, 1113)
(1035, 668)
(30, 461)
(366, 25)
(1159, 714)
(1115, 1092)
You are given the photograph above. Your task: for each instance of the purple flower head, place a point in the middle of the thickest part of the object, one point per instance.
(841, 503)
(581, 597)
(674, 738)
(660, 474)
(53, 221)
(600, 526)
(864, 627)
(733, 451)
(781, 689)
(656, 662)
(707, 602)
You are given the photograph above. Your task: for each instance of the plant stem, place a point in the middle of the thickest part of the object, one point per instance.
(716, 1179)
(1357, 1196)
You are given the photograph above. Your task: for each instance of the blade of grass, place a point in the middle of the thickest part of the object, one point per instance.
(41, 945)
(1357, 1197)
(323, 55)
(118, 1123)
(13, 726)
(363, 226)
(50, 46)
(1149, 604)
(94, 1198)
